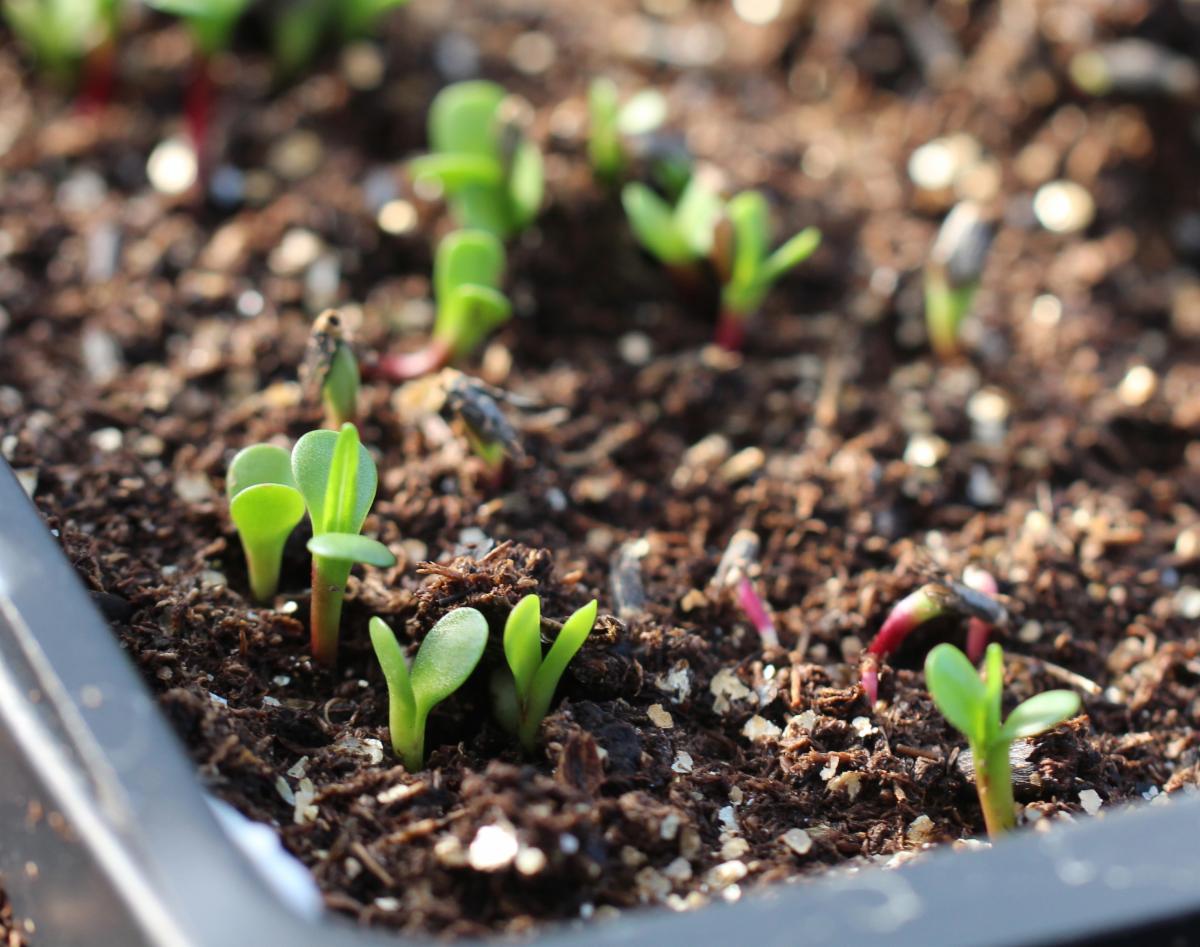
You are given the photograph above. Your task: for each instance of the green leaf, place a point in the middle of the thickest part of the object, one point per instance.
(312, 460)
(395, 672)
(604, 145)
(340, 391)
(751, 236)
(643, 113)
(957, 690)
(653, 224)
(696, 216)
(296, 33)
(462, 118)
(526, 184)
(467, 257)
(351, 547)
(794, 252)
(447, 656)
(342, 484)
(266, 511)
(259, 463)
(993, 684)
(574, 633)
(523, 643)
(469, 316)
(1040, 713)
(455, 171)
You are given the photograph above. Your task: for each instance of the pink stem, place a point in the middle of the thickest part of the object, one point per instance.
(756, 611)
(400, 367)
(731, 331)
(197, 111)
(908, 613)
(978, 630)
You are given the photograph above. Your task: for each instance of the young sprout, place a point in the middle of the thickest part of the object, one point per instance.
(972, 706)
(756, 610)
(679, 237)
(443, 663)
(63, 34)
(612, 125)
(747, 267)
(331, 370)
(523, 699)
(265, 507)
(952, 275)
(337, 477)
(211, 24)
(300, 29)
(928, 602)
(468, 269)
(481, 159)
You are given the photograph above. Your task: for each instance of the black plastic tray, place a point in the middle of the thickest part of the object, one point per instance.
(105, 836)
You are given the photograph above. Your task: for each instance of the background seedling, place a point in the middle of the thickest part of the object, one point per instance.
(443, 663)
(265, 507)
(612, 125)
(337, 477)
(481, 158)
(523, 699)
(747, 268)
(302, 27)
(972, 706)
(63, 34)
(952, 275)
(330, 370)
(467, 273)
(679, 237)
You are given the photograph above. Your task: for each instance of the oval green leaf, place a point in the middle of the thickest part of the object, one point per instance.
(266, 511)
(467, 257)
(312, 460)
(447, 656)
(957, 690)
(461, 117)
(456, 170)
(653, 224)
(391, 661)
(259, 463)
(523, 642)
(526, 184)
(351, 547)
(1040, 713)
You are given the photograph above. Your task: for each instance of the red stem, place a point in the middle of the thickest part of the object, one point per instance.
(198, 111)
(979, 630)
(398, 367)
(908, 613)
(756, 610)
(731, 331)
(99, 78)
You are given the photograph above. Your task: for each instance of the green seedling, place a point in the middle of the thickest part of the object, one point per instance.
(62, 35)
(330, 370)
(679, 237)
(972, 706)
(481, 159)
(468, 270)
(746, 265)
(952, 275)
(523, 699)
(265, 507)
(612, 126)
(337, 478)
(300, 29)
(443, 663)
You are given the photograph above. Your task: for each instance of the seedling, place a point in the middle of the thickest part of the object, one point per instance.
(330, 370)
(679, 237)
(467, 273)
(300, 29)
(62, 35)
(481, 159)
(265, 507)
(443, 663)
(747, 269)
(337, 477)
(952, 275)
(756, 610)
(926, 603)
(972, 706)
(211, 24)
(523, 699)
(613, 125)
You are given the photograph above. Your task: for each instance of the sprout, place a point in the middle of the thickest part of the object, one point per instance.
(330, 369)
(300, 29)
(487, 167)
(443, 663)
(756, 610)
(265, 507)
(467, 272)
(748, 270)
(926, 603)
(522, 700)
(611, 124)
(62, 34)
(337, 477)
(952, 275)
(972, 706)
(679, 237)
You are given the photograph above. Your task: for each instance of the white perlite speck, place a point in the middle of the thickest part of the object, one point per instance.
(683, 762)
(726, 873)
(797, 840)
(659, 717)
(760, 730)
(304, 810)
(726, 688)
(1091, 801)
(920, 830)
(493, 847)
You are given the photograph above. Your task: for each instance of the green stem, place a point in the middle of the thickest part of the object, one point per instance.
(263, 561)
(532, 712)
(328, 590)
(993, 780)
(408, 736)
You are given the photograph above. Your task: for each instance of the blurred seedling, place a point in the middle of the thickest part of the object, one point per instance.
(304, 25)
(330, 370)
(522, 699)
(265, 506)
(613, 127)
(972, 706)
(952, 275)
(974, 601)
(481, 159)
(65, 36)
(680, 237)
(444, 661)
(746, 265)
(337, 478)
(468, 270)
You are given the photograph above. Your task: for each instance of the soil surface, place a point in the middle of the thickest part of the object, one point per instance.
(145, 339)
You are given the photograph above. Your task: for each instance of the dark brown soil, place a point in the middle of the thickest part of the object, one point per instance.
(862, 464)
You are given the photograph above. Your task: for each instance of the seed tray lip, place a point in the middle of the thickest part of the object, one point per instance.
(81, 736)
